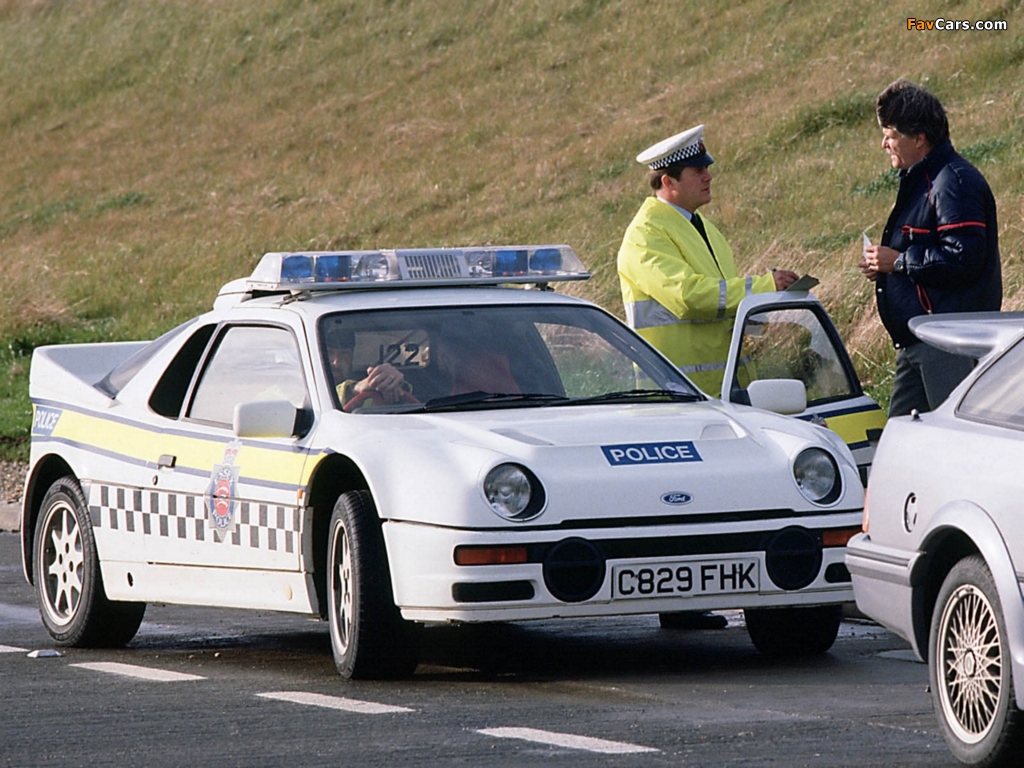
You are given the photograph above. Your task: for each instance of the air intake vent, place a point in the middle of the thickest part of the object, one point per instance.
(574, 570)
(793, 558)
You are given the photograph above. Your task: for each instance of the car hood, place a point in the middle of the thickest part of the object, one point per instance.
(595, 462)
(590, 425)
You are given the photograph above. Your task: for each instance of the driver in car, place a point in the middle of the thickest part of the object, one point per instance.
(473, 364)
(383, 383)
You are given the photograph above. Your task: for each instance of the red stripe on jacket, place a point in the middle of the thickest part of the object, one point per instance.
(963, 224)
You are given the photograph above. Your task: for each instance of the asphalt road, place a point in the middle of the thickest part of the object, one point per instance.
(10, 515)
(234, 688)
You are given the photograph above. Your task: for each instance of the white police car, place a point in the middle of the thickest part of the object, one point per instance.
(520, 455)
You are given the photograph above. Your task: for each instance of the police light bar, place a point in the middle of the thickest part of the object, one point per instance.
(414, 267)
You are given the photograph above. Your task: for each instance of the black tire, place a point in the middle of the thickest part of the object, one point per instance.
(68, 583)
(970, 670)
(369, 638)
(794, 631)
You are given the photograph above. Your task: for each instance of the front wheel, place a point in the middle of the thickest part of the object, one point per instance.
(66, 573)
(369, 637)
(795, 631)
(969, 669)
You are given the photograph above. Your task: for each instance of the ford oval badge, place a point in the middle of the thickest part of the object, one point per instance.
(676, 498)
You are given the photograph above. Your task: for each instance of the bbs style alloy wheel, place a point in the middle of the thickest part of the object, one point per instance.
(369, 637)
(969, 669)
(66, 573)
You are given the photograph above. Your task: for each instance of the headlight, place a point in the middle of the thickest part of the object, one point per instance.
(513, 492)
(817, 476)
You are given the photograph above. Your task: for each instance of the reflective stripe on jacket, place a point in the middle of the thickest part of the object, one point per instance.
(678, 295)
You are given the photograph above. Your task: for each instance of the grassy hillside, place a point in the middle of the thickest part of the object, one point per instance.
(149, 152)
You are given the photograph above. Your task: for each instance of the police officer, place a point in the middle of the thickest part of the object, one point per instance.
(680, 285)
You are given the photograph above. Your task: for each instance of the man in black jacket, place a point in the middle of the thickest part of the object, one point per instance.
(940, 248)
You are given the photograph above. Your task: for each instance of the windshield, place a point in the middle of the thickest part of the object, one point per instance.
(490, 357)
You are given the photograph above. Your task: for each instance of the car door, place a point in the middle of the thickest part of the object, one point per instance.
(226, 501)
(789, 335)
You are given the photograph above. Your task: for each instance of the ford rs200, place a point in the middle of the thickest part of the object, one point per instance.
(397, 438)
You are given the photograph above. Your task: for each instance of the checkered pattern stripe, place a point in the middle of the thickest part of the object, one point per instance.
(182, 516)
(680, 154)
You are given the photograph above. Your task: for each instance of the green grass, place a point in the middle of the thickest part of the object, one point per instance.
(153, 151)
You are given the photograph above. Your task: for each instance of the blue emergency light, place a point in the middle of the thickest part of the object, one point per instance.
(412, 267)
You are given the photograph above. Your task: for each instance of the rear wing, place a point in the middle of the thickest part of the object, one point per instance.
(68, 373)
(971, 334)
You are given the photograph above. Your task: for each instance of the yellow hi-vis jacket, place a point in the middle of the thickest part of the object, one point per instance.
(679, 296)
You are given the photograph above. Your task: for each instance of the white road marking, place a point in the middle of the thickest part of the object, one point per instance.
(333, 702)
(567, 740)
(141, 673)
(12, 649)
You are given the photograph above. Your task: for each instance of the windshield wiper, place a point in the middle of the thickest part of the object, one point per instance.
(454, 402)
(645, 395)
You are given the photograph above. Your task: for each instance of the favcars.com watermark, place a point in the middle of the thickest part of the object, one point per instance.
(926, 25)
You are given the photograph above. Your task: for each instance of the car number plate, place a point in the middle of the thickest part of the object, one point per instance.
(685, 579)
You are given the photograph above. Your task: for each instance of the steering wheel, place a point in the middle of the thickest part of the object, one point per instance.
(371, 397)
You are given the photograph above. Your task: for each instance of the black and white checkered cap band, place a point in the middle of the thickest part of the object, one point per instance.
(679, 155)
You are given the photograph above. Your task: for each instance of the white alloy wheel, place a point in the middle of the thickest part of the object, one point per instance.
(341, 589)
(67, 578)
(61, 566)
(369, 638)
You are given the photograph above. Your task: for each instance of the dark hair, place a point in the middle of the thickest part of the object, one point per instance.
(654, 177)
(337, 337)
(911, 110)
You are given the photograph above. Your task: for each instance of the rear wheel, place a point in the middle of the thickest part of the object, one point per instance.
(66, 572)
(369, 638)
(794, 631)
(969, 669)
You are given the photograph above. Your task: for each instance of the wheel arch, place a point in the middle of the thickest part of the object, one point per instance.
(334, 475)
(959, 530)
(44, 474)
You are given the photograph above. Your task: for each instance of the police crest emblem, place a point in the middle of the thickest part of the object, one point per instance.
(221, 496)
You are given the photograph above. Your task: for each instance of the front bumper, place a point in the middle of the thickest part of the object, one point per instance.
(595, 572)
(882, 584)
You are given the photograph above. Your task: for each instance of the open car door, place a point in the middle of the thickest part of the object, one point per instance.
(789, 335)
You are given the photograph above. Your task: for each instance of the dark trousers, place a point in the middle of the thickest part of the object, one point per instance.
(924, 378)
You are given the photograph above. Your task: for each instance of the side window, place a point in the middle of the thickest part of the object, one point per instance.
(792, 344)
(169, 393)
(248, 363)
(997, 397)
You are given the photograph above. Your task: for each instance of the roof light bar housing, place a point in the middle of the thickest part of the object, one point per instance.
(416, 267)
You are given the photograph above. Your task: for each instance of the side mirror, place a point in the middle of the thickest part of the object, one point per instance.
(266, 418)
(786, 396)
